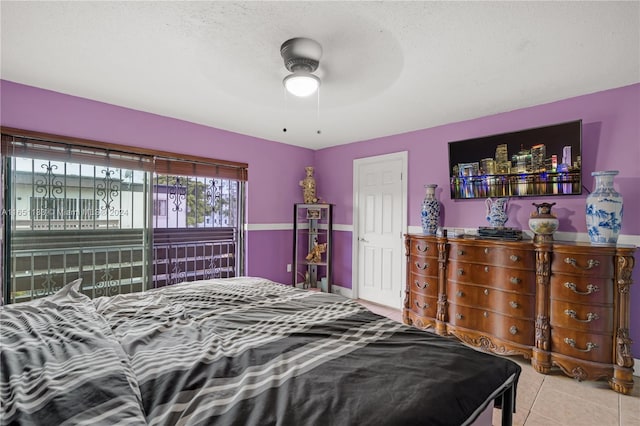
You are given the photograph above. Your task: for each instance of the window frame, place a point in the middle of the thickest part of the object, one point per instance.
(114, 155)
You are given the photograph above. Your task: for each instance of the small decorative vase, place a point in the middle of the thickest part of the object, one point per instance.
(308, 185)
(430, 210)
(497, 211)
(604, 210)
(542, 222)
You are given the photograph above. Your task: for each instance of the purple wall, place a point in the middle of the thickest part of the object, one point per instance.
(611, 141)
(611, 136)
(272, 188)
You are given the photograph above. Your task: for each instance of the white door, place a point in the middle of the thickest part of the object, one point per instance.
(380, 220)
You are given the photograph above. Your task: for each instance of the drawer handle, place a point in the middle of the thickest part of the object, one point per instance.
(486, 250)
(459, 293)
(485, 314)
(460, 271)
(590, 288)
(591, 263)
(459, 316)
(513, 304)
(590, 346)
(513, 329)
(460, 252)
(422, 266)
(514, 258)
(486, 269)
(515, 280)
(423, 285)
(486, 291)
(591, 316)
(423, 306)
(422, 249)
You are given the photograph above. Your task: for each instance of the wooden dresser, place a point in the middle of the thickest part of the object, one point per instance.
(422, 282)
(559, 303)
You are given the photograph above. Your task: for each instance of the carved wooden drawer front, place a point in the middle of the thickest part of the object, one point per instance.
(423, 305)
(582, 289)
(587, 346)
(519, 280)
(511, 304)
(422, 284)
(563, 304)
(498, 255)
(595, 318)
(582, 264)
(423, 265)
(508, 328)
(423, 248)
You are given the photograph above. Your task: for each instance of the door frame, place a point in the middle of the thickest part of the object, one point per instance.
(357, 163)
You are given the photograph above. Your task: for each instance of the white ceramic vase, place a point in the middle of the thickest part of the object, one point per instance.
(604, 210)
(497, 211)
(430, 210)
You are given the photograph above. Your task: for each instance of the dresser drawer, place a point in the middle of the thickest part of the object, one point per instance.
(426, 285)
(423, 265)
(421, 248)
(592, 318)
(587, 346)
(504, 327)
(422, 305)
(519, 280)
(493, 255)
(512, 304)
(582, 289)
(591, 265)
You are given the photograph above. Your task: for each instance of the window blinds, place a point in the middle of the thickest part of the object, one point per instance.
(16, 142)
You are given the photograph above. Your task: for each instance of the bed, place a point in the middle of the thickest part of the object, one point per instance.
(238, 351)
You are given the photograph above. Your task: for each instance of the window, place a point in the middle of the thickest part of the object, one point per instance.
(122, 221)
(196, 238)
(159, 208)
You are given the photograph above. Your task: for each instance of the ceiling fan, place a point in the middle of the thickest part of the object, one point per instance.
(301, 57)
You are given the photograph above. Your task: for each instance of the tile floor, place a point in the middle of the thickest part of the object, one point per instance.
(555, 399)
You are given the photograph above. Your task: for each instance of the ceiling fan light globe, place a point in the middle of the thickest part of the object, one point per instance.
(301, 84)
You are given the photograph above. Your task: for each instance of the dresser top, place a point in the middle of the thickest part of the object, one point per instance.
(578, 245)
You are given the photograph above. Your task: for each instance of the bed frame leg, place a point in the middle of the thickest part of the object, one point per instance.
(507, 406)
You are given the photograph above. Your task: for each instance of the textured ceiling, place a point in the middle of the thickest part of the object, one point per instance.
(387, 67)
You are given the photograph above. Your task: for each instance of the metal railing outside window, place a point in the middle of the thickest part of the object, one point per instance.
(112, 219)
(69, 220)
(197, 238)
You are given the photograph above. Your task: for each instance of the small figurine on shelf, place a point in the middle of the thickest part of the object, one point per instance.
(315, 255)
(308, 185)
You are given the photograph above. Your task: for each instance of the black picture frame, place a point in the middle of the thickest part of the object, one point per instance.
(535, 162)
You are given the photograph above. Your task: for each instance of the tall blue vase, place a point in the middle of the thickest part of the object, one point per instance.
(604, 210)
(430, 210)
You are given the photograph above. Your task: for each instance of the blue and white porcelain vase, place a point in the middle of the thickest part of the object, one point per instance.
(604, 210)
(497, 211)
(430, 210)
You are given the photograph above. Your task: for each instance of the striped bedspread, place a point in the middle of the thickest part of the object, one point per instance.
(239, 351)
(60, 364)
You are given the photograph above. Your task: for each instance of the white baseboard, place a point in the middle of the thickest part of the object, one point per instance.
(342, 291)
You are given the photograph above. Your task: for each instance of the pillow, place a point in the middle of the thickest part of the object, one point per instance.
(69, 293)
(60, 363)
